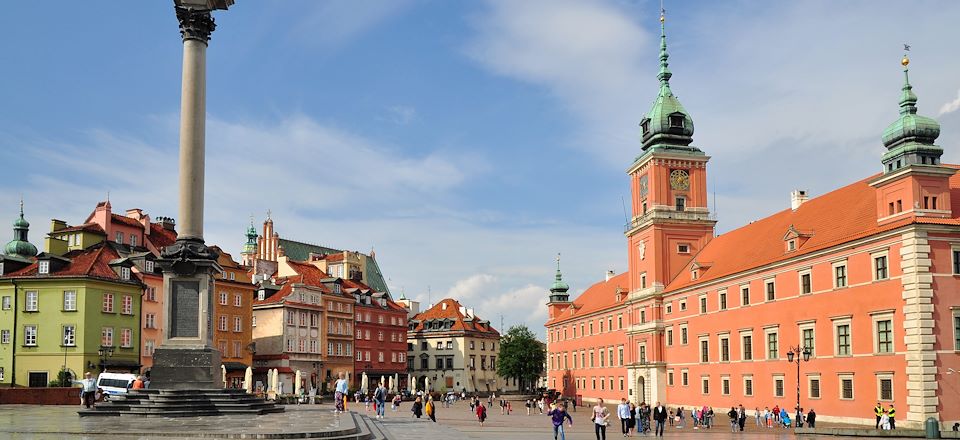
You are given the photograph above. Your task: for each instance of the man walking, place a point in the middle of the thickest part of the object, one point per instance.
(380, 395)
(660, 416)
(811, 419)
(878, 411)
(623, 413)
(557, 415)
(742, 417)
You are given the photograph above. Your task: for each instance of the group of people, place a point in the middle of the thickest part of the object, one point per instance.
(886, 417)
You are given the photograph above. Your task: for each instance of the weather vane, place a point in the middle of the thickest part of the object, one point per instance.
(905, 60)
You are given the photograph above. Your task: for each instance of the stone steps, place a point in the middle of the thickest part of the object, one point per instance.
(182, 403)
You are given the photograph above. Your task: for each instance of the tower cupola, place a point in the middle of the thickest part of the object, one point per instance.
(910, 139)
(667, 126)
(558, 291)
(20, 246)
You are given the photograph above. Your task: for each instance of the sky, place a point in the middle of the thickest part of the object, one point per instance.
(466, 142)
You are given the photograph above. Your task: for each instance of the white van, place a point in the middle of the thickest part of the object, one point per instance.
(115, 383)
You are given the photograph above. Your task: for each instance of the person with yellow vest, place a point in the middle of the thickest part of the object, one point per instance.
(878, 411)
(891, 413)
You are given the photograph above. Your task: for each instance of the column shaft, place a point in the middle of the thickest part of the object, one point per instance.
(193, 110)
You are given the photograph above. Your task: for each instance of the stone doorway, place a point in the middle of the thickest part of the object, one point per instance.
(641, 390)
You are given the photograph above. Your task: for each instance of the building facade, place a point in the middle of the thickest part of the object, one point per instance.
(233, 315)
(863, 280)
(381, 333)
(453, 349)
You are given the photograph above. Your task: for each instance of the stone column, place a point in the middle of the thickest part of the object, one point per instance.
(186, 358)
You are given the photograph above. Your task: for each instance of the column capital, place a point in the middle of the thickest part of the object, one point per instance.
(195, 24)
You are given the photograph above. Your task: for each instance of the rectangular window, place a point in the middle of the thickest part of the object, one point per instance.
(725, 385)
(704, 351)
(683, 335)
(222, 323)
(885, 388)
(69, 336)
(119, 238)
(681, 203)
(843, 339)
(32, 301)
(148, 265)
(846, 388)
(237, 324)
(840, 275)
(670, 335)
(669, 308)
(148, 348)
(745, 296)
(807, 336)
(885, 336)
(69, 300)
(880, 267)
(956, 261)
(805, 285)
(703, 304)
(108, 302)
(5, 303)
(4, 336)
(683, 305)
(778, 386)
(643, 354)
(773, 349)
(30, 335)
(43, 267)
(723, 300)
(126, 338)
(956, 331)
(747, 347)
(150, 320)
(724, 349)
(619, 356)
(237, 301)
(127, 305)
(814, 387)
(771, 291)
(670, 378)
(747, 386)
(705, 385)
(106, 336)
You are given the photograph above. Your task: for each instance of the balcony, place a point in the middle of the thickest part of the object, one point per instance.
(666, 213)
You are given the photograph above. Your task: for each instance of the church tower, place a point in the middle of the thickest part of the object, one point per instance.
(914, 182)
(559, 299)
(670, 219)
(20, 246)
(249, 253)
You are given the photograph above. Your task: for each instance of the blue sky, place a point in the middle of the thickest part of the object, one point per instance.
(467, 142)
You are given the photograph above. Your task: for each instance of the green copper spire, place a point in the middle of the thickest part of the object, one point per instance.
(20, 246)
(910, 139)
(558, 292)
(250, 247)
(667, 126)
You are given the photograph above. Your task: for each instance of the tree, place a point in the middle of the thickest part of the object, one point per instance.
(521, 356)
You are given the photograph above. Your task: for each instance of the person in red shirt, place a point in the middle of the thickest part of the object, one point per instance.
(481, 413)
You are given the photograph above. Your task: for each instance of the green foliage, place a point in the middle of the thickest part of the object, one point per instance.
(521, 355)
(64, 379)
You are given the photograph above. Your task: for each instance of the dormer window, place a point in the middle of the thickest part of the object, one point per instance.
(676, 121)
(119, 237)
(260, 295)
(148, 266)
(791, 245)
(645, 126)
(43, 267)
(694, 274)
(336, 288)
(124, 273)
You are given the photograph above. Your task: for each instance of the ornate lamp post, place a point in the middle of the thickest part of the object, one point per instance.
(794, 355)
(104, 352)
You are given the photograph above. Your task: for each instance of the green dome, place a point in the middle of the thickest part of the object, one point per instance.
(910, 139)
(559, 287)
(21, 223)
(20, 248)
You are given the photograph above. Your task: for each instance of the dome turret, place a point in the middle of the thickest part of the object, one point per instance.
(20, 246)
(558, 291)
(910, 139)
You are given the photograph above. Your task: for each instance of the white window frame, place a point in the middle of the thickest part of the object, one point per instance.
(118, 237)
(6, 302)
(684, 334)
(725, 385)
(720, 338)
(126, 338)
(43, 267)
(767, 284)
(783, 385)
(766, 342)
(745, 287)
(875, 318)
(810, 379)
(69, 300)
(722, 299)
(32, 301)
(846, 274)
(72, 335)
(886, 375)
(702, 341)
(104, 303)
(30, 336)
(148, 266)
(705, 385)
(106, 336)
(753, 385)
(808, 325)
(853, 386)
(743, 351)
(800, 274)
(873, 265)
(4, 336)
(703, 303)
(684, 377)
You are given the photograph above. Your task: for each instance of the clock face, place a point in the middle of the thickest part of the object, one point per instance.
(680, 179)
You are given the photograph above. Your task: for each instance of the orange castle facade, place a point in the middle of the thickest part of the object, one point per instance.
(865, 280)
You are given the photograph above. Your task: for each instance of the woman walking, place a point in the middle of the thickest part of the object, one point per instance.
(341, 392)
(431, 409)
(481, 413)
(600, 416)
(417, 408)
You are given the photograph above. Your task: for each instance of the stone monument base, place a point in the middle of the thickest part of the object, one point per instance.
(186, 369)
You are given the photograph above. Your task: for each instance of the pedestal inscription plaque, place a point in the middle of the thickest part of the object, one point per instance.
(185, 309)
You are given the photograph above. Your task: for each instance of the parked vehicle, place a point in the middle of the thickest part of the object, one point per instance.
(115, 383)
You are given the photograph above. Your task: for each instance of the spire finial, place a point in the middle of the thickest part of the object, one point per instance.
(664, 74)
(21, 205)
(269, 213)
(558, 276)
(908, 99)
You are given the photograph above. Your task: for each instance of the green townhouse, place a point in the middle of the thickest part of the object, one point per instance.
(76, 312)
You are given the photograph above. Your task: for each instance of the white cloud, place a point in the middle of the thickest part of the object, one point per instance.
(951, 106)
(333, 22)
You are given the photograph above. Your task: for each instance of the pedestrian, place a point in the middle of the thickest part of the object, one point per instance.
(742, 417)
(417, 407)
(529, 404)
(509, 407)
(680, 418)
(600, 416)
(884, 420)
(380, 396)
(431, 408)
(776, 414)
(341, 393)
(88, 392)
(891, 413)
(623, 413)
(758, 416)
(137, 383)
(878, 411)
(396, 402)
(799, 416)
(540, 404)
(811, 419)
(784, 418)
(632, 421)
(503, 406)
(734, 420)
(481, 413)
(557, 414)
(659, 416)
(671, 418)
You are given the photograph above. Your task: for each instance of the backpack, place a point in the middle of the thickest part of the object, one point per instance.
(379, 395)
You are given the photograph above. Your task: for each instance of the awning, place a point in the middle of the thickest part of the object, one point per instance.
(235, 366)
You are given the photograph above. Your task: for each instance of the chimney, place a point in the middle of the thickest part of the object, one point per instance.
(797, 198)
(610, 274)
(56, 225)
(167, 223)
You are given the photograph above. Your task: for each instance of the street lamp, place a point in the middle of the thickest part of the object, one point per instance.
(104, 352)
(794, 355)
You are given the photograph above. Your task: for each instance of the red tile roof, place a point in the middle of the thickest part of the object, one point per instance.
(845, 214)
(597, 297)
(93, 262)
(450, 309)
(161, 237)
(117, 218)
(86, 227)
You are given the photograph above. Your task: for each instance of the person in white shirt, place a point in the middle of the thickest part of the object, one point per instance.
(623, 413)
(88, 394)
(600, 416)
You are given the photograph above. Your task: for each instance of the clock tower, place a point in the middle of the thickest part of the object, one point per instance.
(670, 220)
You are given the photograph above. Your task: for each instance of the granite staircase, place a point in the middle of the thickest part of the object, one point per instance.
(182, 403)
